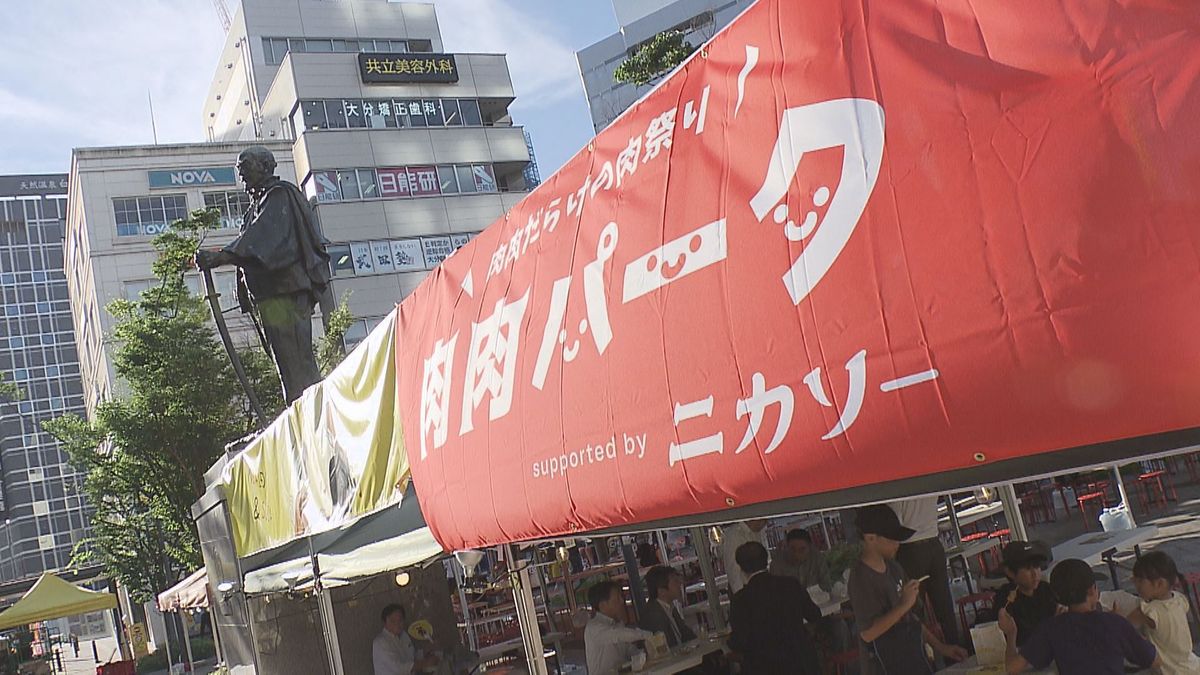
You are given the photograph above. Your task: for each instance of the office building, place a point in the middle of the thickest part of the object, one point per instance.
(42, 513)
(640, 21)
(120, 198)
(406, 151)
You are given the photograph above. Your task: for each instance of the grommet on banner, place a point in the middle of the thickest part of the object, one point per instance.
(704, 53)
(980, 457)
(729, 501)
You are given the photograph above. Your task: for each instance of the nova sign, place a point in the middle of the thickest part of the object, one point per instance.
(178, 178)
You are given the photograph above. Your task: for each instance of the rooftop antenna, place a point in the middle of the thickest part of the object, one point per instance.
(153, 127)
(223, 14)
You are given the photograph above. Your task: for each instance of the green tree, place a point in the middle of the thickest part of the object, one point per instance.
(145, 453)
(9, 391)
(330, 347)
(654, 59)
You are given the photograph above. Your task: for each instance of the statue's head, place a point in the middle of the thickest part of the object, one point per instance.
(256, 165)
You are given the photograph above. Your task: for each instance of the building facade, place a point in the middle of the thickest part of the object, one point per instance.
(43, 512)
(640, 21)
(406, 150)
(120, 198)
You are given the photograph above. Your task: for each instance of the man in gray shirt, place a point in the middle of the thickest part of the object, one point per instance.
(799, 559)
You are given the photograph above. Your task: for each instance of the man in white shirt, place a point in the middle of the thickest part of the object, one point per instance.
(924, 555)
(607, 641)
(733, 536)
(393, 652)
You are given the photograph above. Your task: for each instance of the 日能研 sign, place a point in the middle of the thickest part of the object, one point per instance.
(199, 177)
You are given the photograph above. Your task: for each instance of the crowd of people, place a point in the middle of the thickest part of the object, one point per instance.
(776, 625)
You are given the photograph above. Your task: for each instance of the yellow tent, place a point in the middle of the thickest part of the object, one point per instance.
(53, 598)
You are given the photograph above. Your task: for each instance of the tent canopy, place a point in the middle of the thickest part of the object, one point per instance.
(53, 598)
(191, 593)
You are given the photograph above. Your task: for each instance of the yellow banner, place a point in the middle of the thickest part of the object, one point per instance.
(336, 454)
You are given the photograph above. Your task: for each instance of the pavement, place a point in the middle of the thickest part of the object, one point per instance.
(1178, 529)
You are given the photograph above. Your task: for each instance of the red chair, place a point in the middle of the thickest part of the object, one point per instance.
(973, 601)
(1034, 507)
(1192, 466)
(1087, 502)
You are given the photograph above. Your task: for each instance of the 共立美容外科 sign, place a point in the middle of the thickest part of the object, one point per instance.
(391, 68)
(197, 177)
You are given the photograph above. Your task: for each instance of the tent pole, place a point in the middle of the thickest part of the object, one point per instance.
(712, 590)
(531, 634)
(460, 577)
(1116, 469)
(187, 642)
(1012, 512)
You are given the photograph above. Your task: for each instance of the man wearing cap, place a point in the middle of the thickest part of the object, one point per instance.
(893, 638)
(1027, 598)
(923, 555)
(1082, 640)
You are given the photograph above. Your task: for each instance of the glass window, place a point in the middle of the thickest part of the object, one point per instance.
(416, 114)
(232, 206)
(348, 182)
(420, 46)
(336, 114)
(399, 46)
(485, 178)
(366, 183)
(325, 186)
(296, 45)
(470, 112)
(378, 113)
(356, 333)
(314, 115)
(450, 113)
(340, 262)
(147, 215)
(433, 113)
(466, 180)
(352, 45)
(339, 46)
(319, 46)
(447, 179)
(353, 109)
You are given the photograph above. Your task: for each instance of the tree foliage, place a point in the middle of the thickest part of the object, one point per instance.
(9, 391)
(656, 58)
(145, 454)
(331, 347)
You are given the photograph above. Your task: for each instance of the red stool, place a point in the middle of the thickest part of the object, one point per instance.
(1152, 489)
(1092, 500)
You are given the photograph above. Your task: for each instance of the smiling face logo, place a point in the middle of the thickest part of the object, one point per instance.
(690, 253)
(854, 124)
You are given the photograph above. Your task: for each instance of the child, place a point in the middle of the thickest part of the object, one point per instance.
(1028, 599)
(1080, 641)
(883, 601)
(1163, 614)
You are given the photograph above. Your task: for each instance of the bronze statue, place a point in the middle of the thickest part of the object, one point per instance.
(283, 268)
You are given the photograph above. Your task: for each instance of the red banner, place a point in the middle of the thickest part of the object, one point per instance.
(848, 243)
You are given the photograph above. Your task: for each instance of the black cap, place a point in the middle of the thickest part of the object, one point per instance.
(1018, 554)
(880, 519)
(1071, 580)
